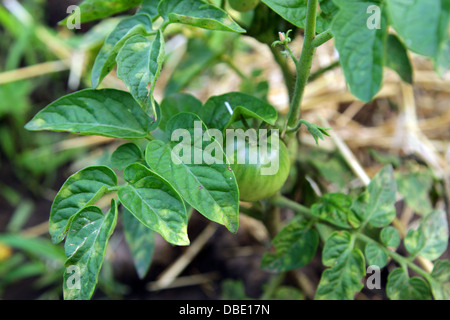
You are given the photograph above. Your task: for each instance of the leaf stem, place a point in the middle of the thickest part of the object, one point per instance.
(303, 67)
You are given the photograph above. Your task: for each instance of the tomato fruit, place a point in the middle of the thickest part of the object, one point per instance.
(243, 5)
(253, 184)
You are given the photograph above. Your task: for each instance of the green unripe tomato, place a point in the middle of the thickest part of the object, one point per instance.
(243, 5)
(253, 184)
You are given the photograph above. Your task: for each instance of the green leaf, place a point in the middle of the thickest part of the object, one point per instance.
(134, 66)
(295, 247)
(401, 287)
(397, 58)
(378, 208)
(91, 10)
(430, 240)
(216, 114)
(139, 24)
(86, 246)
(155, 203)
(390, 237)
(293, 11)
(343, 280)
(209, 188)
(334, 208)
(325, 18)
(375, 255)
(125, 155)
(177, 103)
(81, 189)
(440, 284)
(417, 23)
(415, 187)
(197, 13)
(140, 240)
(442, 59)
(361, 50)
(338, 244)
(105, 112)
(316, 131)
(149, 7)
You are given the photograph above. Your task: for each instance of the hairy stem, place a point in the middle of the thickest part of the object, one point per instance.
(304, 64)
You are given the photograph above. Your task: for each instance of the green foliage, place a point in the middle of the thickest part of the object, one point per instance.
(295, 247)
(155, 187)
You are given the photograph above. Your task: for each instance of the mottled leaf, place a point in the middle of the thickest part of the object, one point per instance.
(440, 284)
(82, 188)
(154, 202)
(86, 246)
(334, 208)
(430, 239)
(338, 244)
(378, 208)
(206, 183)
(197, 13)
(390, 237)
(139, 24)
(401, 287)
(415, 188)
(375, 255)
(343, 280)
(105, 112)
(295, 246)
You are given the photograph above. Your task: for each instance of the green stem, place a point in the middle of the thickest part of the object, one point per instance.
(232, 66)
(285, 70)
(321, 71)
(321, 38)
(304, 64)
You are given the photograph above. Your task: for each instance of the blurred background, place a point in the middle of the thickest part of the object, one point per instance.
(406, 125)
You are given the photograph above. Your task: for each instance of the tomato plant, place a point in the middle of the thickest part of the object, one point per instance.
(174, 158)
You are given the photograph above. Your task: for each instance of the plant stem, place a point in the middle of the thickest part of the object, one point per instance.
(321, 71)
(321, 38)
(304, 64)
(285, 70)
